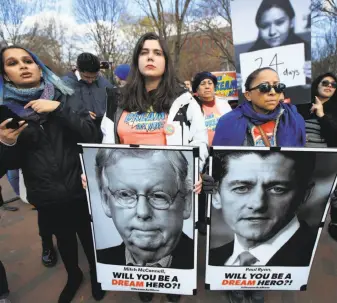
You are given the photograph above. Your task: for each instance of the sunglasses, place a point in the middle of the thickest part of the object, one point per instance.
(326, 83)
(266, 87)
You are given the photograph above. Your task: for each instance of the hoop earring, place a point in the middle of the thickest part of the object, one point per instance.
(6, 78)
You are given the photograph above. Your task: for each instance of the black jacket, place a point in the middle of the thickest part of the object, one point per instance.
(296, 252)
(182, 255)
(92, 96)
(49, 156)
(329, 123)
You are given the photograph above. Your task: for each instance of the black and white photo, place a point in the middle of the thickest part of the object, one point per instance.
(142, 208)
(277, 33)
(268, 207)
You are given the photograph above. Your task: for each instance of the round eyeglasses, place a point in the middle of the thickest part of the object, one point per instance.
(129, 198)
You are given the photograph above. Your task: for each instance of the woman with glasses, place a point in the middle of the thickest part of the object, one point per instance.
(321, 123)
(262, 120)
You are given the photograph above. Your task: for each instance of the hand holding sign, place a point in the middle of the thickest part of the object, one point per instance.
(290, 67)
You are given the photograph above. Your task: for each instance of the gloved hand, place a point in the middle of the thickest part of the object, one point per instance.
(209, 186)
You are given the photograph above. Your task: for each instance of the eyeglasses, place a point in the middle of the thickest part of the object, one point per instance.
(129, 199)
(326, 83)
(266, 87)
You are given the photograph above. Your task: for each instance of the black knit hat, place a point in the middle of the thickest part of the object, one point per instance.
(200, 77)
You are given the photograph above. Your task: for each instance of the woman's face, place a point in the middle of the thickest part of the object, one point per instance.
(274, 27)
(206, 90)
(326, 91)
(264, 102)
(151, 60)
(21, 69)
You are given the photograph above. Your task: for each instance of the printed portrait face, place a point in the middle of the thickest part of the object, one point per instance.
(147, 205)
(151, 60)
(258, 196)
(264, 102)
(21, 69)
(274, 26)
(206, 90)
(325, 89)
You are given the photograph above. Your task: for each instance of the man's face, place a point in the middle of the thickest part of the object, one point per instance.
(258, 196)
(88, 76)
(150, 234)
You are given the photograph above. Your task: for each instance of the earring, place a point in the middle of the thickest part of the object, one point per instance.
(6, 78)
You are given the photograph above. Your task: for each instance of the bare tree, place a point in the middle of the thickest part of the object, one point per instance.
(214, 21)
(102, 17)
(324, 43)
(13, 14)
(170, 25)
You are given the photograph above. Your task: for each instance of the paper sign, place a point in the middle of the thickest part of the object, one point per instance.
(288, 61)
(227, 85)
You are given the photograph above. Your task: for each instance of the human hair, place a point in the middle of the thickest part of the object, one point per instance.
(268, 4)
(135, 98)
(2, 63)
(87, 62)
(317, 81)
(107, 157)
(48, 75)
(304, 163)
(253, 76)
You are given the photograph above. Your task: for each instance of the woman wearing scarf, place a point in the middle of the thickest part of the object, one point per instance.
(321, 126)
(262, 120)
(44, 146)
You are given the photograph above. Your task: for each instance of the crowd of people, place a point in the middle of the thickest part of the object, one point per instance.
(51, 115)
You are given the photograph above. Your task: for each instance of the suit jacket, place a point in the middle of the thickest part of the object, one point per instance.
(296, 252)
(182, 255)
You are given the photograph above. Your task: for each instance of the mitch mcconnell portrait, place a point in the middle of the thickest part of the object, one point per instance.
(148, 195)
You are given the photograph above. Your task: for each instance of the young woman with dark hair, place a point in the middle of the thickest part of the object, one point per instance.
(321, 125)
(154, 108)
(321, 122)
(44, 146)
(262, 120)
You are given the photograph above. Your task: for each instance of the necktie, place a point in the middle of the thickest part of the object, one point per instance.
(247, 259)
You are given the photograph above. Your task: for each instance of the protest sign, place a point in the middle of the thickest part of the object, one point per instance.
(290, 68)
(274, 34)
(143, 212)
(227, 85)
(266, 216)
